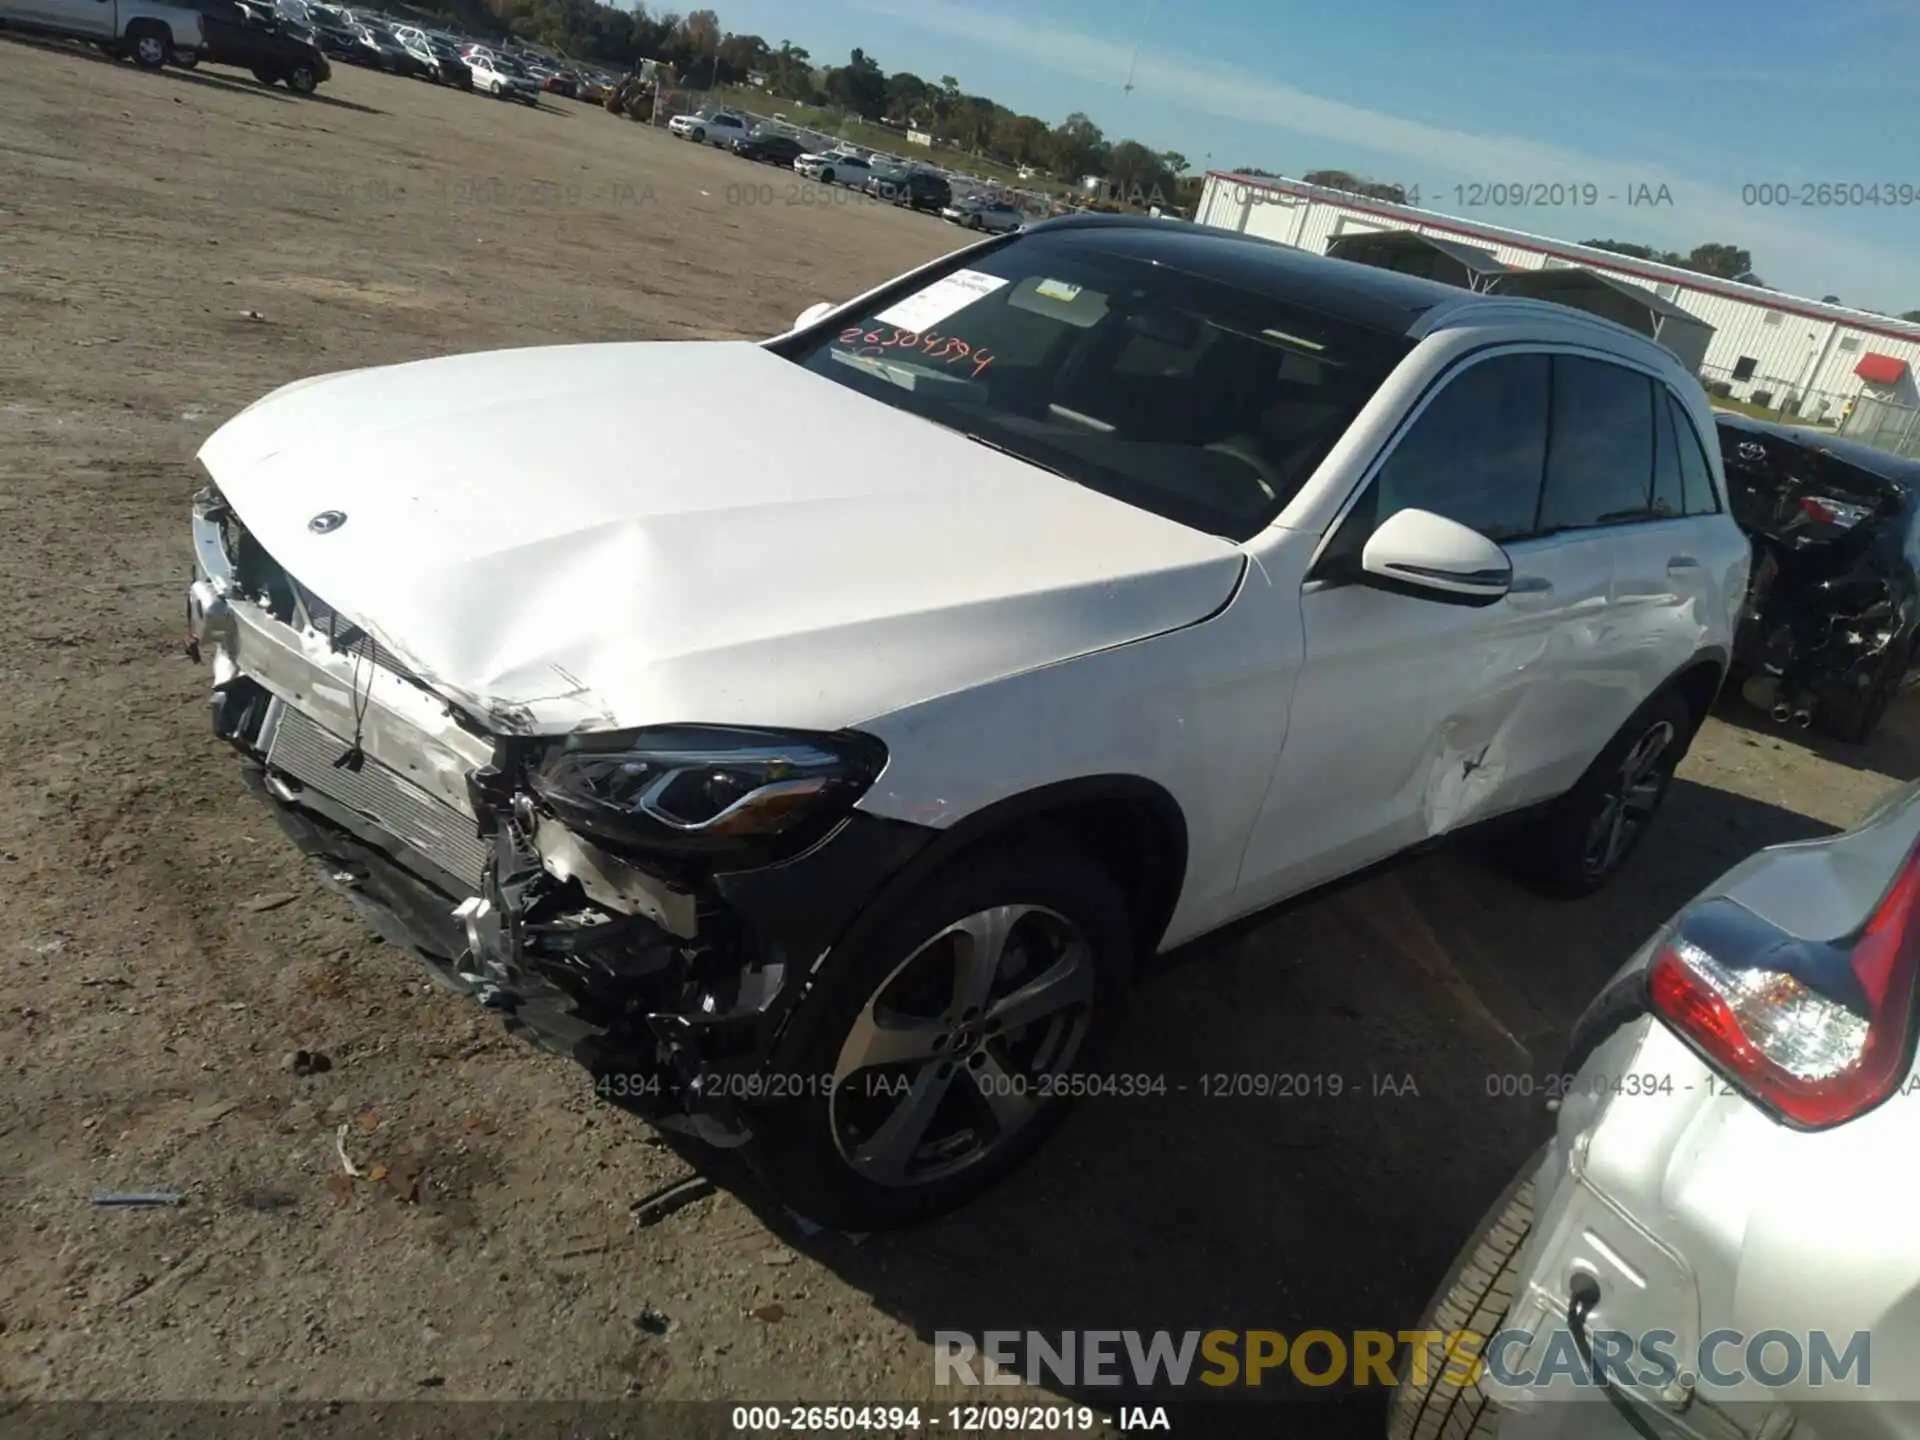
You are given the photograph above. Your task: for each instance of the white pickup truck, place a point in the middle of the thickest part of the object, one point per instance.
(146, 31)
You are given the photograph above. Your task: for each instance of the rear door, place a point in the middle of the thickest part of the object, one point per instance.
(1413, 716)
(1626, 477)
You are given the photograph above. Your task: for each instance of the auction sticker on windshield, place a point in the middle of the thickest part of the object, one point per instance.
(944, 297)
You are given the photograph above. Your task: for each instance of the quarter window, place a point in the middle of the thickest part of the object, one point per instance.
(1597, 464)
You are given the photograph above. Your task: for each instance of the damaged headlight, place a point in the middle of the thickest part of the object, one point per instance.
(705, 788)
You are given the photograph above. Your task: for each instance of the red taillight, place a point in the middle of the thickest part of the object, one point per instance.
(1768, 1010)
(1819, 510)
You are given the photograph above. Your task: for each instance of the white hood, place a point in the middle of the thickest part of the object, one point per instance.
(603, 536)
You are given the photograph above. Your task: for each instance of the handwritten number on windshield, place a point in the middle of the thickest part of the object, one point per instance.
(947, 349)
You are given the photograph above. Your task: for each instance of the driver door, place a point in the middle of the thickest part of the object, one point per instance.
(1413, 716)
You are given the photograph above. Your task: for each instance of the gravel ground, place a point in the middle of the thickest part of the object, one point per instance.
(171, 247)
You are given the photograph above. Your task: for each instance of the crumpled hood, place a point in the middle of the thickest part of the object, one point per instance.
(602, 536)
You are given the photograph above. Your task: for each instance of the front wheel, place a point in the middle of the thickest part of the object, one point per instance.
(184, 58)
(698, 136)
(946, 1035)
(150, 50)
(1586, 836)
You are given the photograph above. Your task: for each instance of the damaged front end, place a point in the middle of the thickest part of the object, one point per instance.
(650, 903)
(1830, 608)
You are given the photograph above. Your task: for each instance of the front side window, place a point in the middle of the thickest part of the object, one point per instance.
(1197, 400)
(1474, 455)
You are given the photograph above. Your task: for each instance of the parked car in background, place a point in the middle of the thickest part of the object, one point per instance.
(1730, 1160)
(595, 90)
(917, 189)
(378, 48)
(1828, 634)
(769, 148)
(995, 216)
(834, 167)
(148, 32)
(440, 60)
(502, 78)
(331, 30)
(1365, 560)
(711, 127)
(254, 38)
(562, 82)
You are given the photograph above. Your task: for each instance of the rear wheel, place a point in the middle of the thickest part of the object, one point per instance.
(1586, 836)
(301, 79)
(184, 58)
(945, 1034)
(1854, 716)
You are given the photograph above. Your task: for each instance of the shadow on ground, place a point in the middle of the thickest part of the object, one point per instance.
(1892, 750)
(1440, 979)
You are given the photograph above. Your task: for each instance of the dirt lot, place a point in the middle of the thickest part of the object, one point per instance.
(173, 246)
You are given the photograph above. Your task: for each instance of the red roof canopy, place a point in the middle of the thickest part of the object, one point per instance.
(1880, 369)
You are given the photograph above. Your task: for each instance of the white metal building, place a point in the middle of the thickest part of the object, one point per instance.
(1799, 356)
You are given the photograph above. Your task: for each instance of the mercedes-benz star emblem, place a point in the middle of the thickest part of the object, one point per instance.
(327, 521)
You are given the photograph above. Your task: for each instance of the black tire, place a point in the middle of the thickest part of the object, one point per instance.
(1557, 852)
(150, 46)
(1853, 717)
(826, 177)
(697, 135)
(973, 222)
(1476, 1295)
(265, 76)
(801, 1148)
(301, 80)
(183, 58)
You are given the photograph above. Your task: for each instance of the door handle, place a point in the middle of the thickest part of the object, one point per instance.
(1683, 562)
(1530, 585)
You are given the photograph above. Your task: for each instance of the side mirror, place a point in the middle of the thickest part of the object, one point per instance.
(812, 313)
(1429, 557)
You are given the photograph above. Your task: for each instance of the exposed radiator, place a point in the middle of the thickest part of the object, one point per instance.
(445, 836)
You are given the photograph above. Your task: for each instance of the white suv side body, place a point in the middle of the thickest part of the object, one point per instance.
(1311, 730)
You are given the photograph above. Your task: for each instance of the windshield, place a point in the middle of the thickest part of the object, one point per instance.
(1197, 400)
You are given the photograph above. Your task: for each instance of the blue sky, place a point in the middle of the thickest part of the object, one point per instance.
(1703, 98)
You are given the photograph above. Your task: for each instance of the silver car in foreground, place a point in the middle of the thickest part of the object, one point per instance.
(1719, 1240)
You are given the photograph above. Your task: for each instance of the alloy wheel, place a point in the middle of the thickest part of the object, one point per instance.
(1631, 797)
(150, 52)
(958, 1049)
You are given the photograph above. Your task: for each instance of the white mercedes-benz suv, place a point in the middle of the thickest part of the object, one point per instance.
(1064, 599)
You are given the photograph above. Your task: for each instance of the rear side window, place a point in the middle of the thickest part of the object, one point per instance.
(1669, 485)
(1599, 465)
(1696, 478)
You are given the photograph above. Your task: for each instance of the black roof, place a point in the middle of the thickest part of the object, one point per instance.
(1883, 463)
(1360, 294)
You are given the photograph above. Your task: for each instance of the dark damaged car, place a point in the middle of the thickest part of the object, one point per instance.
(1827, 636)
